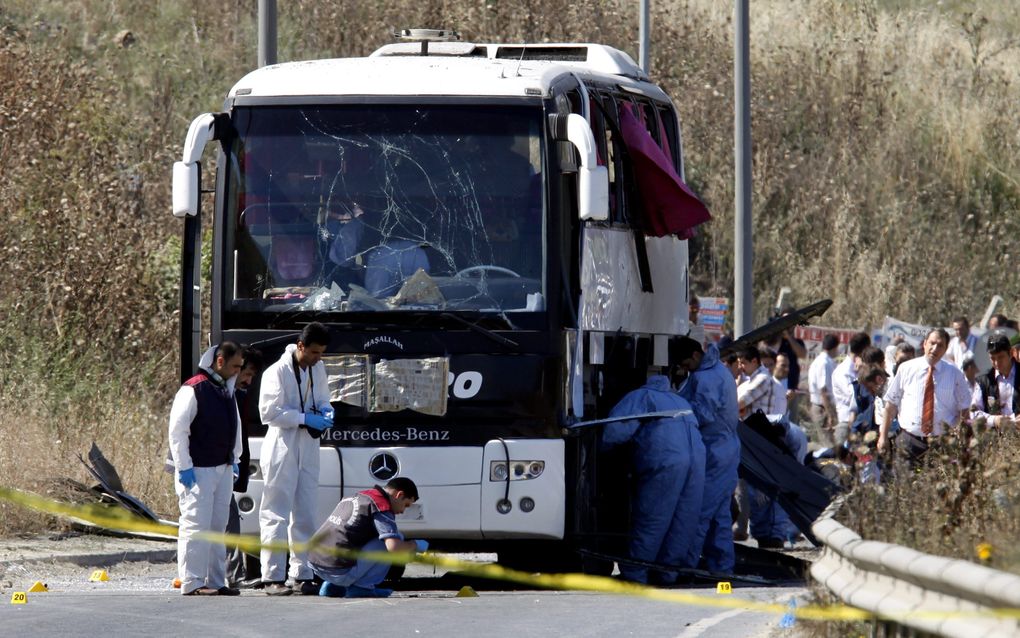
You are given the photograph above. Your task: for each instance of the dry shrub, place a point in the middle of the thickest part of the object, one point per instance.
(964, 494)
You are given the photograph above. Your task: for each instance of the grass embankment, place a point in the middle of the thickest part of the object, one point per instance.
(885, 175)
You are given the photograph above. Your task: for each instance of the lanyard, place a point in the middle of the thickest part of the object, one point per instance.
(311, 385)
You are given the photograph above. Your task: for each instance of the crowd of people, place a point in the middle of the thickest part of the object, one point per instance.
(209, 458)
(895, 402)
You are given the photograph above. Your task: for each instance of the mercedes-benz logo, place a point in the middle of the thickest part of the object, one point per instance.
(383, 466)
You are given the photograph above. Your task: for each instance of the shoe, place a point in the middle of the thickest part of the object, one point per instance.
(364, 592)
(228, 591)
(251, 583)
(330, 590)
(306, 588)
(770, 543)
(277, 589)
(740, 536)
(202, 591)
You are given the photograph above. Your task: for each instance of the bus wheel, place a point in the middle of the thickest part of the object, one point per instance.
(395, 573)
(596, 566)
(549, 558)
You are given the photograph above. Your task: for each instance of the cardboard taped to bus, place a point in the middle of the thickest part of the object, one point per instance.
(389, 385)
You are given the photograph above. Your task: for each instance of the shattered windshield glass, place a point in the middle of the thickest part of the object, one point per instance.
(386, 208)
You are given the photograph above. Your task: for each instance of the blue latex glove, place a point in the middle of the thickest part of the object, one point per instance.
(328, 413)
(422, 544)
(317, 421)
(187, 477)
(236, 470)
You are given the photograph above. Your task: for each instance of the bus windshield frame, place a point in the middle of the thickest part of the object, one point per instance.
(346, 209)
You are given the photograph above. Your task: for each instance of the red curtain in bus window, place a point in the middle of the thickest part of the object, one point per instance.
(669, 206)
(663, 138)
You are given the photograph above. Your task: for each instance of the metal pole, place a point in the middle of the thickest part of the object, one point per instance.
(743, 301)
(267, 32)
(643, 29)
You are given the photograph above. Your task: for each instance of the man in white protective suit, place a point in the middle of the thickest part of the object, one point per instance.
(294, 404)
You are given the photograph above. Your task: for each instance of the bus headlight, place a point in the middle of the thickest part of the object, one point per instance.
(517, 470)
(497, 471)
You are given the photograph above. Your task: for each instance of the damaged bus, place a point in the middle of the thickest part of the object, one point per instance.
(495, 236)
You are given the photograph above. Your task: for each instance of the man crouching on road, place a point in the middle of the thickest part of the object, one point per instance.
(363, 522)
(205, 443)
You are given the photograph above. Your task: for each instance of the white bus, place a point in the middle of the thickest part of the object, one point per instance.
(481, 228)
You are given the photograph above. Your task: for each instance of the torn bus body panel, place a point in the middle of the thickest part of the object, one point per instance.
(111, 493)
(803, 493)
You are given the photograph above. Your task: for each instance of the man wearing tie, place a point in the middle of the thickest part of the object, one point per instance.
(928, 394)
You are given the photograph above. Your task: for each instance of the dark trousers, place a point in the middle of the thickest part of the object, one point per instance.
(911, 448)
(240, 566)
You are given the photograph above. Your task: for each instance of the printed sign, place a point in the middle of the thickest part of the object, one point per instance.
(912, 333)
(713, 313)
(812, 337)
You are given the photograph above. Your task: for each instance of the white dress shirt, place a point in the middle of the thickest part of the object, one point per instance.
(779, 403)
(843, 378)
(958, 350)
(906, 392)
(820, 377)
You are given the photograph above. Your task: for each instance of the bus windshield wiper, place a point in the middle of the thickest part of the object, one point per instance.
(500, 339)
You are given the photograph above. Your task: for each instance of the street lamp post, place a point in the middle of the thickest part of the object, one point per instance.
(743, 296)
(643, 34)
(267, 32)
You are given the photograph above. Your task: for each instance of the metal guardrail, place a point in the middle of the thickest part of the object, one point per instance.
(928, 594)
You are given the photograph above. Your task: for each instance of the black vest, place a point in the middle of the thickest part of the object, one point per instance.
(350, 526)
(214, 429)
(990, 390)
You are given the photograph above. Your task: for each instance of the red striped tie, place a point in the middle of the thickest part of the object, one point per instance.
(928, 405)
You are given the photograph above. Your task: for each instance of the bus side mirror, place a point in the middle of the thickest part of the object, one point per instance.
(592, 179)
(186, 183)
(185, 192)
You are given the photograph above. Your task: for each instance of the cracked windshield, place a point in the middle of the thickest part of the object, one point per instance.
(387, 207)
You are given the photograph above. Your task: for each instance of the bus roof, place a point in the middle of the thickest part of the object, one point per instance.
(450, 69)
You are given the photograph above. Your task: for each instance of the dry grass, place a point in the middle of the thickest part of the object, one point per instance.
(967, 493)
(885, 173)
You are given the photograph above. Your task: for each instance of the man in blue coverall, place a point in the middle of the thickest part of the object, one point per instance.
(713, 396)
(669, 472)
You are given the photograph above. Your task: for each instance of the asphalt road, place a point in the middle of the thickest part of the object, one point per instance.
(518, 614)
(139, 600)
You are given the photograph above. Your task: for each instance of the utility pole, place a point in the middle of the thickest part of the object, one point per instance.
(643, 34)
(743, 293)
(267, 32)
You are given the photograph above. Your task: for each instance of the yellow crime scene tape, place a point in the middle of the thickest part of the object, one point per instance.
(124, 521)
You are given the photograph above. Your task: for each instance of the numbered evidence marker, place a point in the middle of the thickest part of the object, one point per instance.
(99, 576)
(723, 588)
(19, 598)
